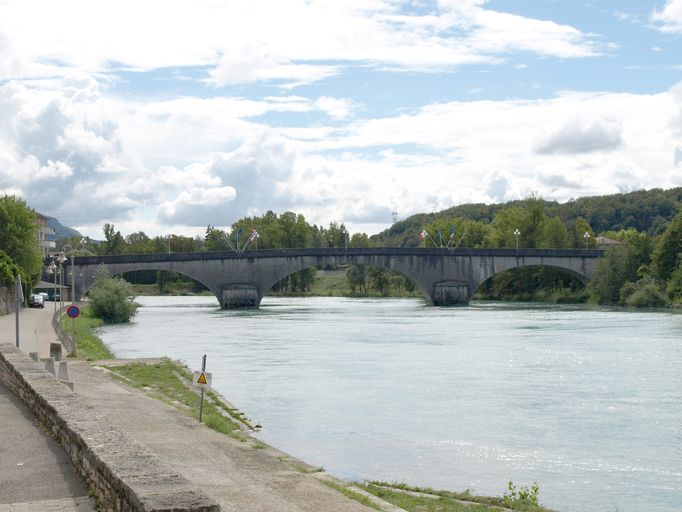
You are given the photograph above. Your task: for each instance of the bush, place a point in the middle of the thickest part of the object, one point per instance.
(647, 295)
(112, 300)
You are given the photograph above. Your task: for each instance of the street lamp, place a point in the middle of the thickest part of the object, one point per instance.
(517, 234)
(73, 273)
(52, 270)
(586, 236)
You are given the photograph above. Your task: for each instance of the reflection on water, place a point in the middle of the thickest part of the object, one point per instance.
(585, 401)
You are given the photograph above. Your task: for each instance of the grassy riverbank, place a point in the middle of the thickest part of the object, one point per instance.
(170, 382)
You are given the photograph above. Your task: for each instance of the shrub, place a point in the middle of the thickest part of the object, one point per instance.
(112, 300)
(647, 295)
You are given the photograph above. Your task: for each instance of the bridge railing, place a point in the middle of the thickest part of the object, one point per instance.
(332, 251)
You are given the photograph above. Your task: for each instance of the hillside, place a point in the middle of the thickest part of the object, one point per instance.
(61, 231)
(644, 210)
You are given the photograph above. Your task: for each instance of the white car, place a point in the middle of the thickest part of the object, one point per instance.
(36, 301)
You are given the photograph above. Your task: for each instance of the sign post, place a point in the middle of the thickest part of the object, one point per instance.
(19, 296)
(72, 312)
(202, 380)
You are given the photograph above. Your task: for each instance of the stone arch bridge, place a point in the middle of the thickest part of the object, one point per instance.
(444, 277)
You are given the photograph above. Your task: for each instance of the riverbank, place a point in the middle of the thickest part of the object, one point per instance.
(168, 382)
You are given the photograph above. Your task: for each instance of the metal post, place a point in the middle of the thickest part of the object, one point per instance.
(73, 282)
(201, 404)
(61, 284)
(54, 292)
(19, 296)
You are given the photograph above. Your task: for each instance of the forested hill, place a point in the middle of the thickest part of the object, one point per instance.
(647, 211)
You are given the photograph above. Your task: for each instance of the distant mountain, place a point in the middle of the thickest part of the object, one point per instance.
(644, 210)
(60, 230)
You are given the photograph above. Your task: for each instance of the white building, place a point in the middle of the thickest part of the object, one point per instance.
(46, 246)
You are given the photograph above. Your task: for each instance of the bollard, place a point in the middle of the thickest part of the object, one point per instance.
(56, 351)
(63, 371)
(49, 366)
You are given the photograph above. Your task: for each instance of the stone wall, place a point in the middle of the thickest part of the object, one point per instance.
(123, 474)
(7, 303)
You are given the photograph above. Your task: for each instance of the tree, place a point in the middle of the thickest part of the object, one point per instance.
(612, 274)
(357, 278)
(112, 299)
(668, 248)
(19, 236)
(379, 279)
(554, 234)
(114, 241)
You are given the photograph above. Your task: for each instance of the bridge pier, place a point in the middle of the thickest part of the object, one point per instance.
(240, 296)
(451, 293)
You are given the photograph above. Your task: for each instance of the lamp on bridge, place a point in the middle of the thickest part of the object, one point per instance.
(52, 270)
(62, 259)
(517, 233)
(586, 236)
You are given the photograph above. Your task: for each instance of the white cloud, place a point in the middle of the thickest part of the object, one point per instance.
(336, 108)
(583, 135)
(669, 19)
(283, 42)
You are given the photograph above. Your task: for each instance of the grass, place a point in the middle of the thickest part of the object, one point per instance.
(301, 468)
(170, 382)
(88, 345)
(350, 493)
(442, 501)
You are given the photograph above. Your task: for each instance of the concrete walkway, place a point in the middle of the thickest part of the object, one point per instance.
(238, 475)
(35, 473)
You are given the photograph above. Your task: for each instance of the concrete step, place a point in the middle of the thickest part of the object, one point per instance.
(83, 504)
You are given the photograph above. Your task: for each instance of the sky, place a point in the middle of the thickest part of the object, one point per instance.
(166, 116)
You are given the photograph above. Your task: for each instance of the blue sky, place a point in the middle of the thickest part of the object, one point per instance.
(167, 116)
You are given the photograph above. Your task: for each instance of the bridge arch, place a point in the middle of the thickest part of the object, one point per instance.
(562, 272)
(305, 263)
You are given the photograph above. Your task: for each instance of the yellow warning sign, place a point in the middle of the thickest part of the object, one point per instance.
(202, 379)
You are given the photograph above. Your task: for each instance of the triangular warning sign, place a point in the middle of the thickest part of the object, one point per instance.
(201, 379)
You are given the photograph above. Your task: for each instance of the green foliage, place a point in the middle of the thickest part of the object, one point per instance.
(8, 270)
(668, 249)
(88, 345)
(643, 294)
(112, 299)
(523, 498)
(425, 499)
(357, 278)
(19, 236)
(674, 287)
(612, 273)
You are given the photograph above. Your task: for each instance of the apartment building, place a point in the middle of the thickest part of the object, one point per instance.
(46, 245)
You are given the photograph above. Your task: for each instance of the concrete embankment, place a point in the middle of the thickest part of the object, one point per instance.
(122, 473)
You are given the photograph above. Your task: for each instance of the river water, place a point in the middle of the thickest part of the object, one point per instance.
(585, 401)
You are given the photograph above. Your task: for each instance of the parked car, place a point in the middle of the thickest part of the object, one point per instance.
(44, 295)
(36, 301)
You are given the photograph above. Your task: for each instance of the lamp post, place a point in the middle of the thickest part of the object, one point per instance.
(73, 275)
(586, 236)
(517, 233)
(61, 259)
(52, 270)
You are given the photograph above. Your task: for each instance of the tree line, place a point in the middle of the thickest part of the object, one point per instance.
(643, 270)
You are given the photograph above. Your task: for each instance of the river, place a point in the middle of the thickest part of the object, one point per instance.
(585, 401)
